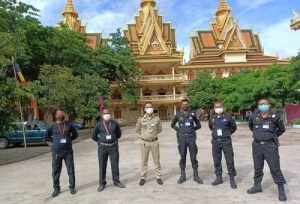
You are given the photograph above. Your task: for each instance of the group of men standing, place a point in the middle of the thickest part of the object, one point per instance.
(265, 124)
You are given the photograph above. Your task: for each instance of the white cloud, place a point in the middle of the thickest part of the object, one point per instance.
(39, 4)
(280, 40)
(254, 3)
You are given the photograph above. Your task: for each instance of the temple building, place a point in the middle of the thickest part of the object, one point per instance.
(295, 22)
(154, 46)
(71, 20)
(226, 49)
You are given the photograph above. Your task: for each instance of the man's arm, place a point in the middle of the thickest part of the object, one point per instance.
(159, 126)
(74, 133)
(139, 126)
(210, 123)
(95, 133)
(49, 135)
(118, 131)
(250, 123)
(233, 125)
(174, 122)
(197, 122)
(280, 126)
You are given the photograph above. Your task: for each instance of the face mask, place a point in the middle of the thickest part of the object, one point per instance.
(106, 117)
(219, 110)
(263, 108)
(149, 110)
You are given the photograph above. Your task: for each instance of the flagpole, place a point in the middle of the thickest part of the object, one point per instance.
(20, 106)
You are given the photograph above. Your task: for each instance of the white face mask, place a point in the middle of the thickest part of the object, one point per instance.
(219, 110)
(106, 117)
(149, 110)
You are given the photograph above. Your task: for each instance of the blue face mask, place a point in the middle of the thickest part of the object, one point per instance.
(264, 108)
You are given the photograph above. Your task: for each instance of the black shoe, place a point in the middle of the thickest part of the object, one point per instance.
(55, 193)
(160, 182)
(197, 179)
(73, 191)
(218, 181)
(182, 177)
(233, 183)
(119, 184)
(255, 189)
(101, 188)
(281, 193)
(142, 182)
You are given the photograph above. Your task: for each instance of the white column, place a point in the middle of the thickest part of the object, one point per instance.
(174, 93)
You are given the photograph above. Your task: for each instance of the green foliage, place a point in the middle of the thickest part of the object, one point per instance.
(296, 121)
(279, 83)
(203, 91)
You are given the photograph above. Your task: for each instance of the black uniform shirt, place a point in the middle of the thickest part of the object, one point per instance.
(61, 136)
(107, 132)
(265, 129)
(222, 126)
(186, 122)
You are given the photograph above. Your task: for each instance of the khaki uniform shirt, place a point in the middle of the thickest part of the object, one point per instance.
(148, 127)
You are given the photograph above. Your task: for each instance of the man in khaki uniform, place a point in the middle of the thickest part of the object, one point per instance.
(148, 127)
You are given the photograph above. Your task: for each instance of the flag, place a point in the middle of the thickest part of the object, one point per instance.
(19, 74)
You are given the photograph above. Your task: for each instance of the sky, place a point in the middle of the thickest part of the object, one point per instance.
(269, 18)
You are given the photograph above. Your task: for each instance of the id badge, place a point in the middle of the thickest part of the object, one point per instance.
(266, 126)
(219, 132)
(187, 124)
(63, 141)
(108, 137)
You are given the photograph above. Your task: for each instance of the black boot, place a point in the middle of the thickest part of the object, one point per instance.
(55, 193)
(232, 182)
(281, 193)
(218, 181)
(197, 179)
(182, 177)
(255, 189)
(73, 191)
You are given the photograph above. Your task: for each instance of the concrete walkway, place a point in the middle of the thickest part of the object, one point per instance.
(29, 182)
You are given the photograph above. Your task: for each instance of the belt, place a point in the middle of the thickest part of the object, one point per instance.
(153, 140)
(223, 139)
(265, 142)
(107, 144)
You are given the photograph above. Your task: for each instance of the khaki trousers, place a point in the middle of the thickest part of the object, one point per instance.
(146, 148)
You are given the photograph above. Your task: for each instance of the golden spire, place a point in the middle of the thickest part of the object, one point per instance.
(148, 2)
(69, 8)
(223, 7)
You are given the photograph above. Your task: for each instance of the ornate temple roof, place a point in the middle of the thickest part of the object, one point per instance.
(71, 18)
(149, 35)
(295, 22)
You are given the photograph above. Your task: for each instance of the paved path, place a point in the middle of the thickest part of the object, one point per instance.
(29, 182)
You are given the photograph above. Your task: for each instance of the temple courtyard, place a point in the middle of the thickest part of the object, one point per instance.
(29, 182)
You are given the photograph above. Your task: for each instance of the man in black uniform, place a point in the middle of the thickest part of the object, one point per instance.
(186, 124)
(222, 126)
(61, 134)
(267, 126)
(107, 133)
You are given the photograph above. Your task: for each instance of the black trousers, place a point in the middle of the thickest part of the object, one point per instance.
(57, 159)
(111, 152)
(269, 152)
(186, 143)
(219, 147)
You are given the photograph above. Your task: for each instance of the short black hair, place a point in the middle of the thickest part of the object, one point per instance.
(184, 100)
(263, 98)
(219, 102)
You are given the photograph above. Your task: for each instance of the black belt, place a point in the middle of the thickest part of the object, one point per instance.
(222, 139)
(265, 141)
(107, 144)
(153, 140)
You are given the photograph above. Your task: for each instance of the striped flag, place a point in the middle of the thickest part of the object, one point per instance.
(19, 74)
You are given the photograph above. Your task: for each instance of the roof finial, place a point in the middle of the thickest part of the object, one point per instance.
(69, 8)
(223, 6)
(148, 2)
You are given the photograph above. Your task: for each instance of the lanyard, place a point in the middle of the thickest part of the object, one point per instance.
(107, 128)
(61, 129)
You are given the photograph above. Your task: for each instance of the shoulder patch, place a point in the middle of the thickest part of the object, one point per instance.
(274, 116)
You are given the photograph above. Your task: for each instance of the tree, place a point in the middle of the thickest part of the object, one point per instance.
(203, 91)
